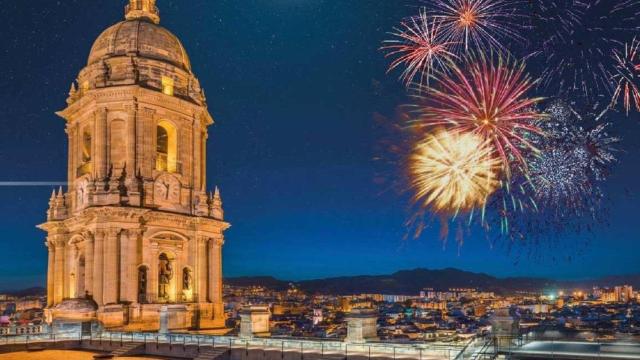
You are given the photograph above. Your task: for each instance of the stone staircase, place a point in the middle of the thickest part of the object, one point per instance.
(128, 350)
(210, 353)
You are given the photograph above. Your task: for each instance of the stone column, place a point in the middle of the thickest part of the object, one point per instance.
(50, 274)
(124, 267)
(197, 148)
(201, 269)
(131, 141)
(71, 165)
(132, 262)
(110, 295)
(88, 263)
(98, 270)
(203, 161)
(146, 150)
(100, 140)
(215, 270)
(152, 287)
(71, 286)
(58, 271)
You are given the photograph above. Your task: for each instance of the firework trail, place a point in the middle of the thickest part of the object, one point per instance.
(452, 171)
(478, 25)
(627, 76)
(574, 40)
(486, 98)
(418, 45)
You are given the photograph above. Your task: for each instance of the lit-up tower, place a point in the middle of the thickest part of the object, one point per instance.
(136, 229)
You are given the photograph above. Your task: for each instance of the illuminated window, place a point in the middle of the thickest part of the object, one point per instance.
(166, 147)
(86, 147)
(167, 85)
(85, 161)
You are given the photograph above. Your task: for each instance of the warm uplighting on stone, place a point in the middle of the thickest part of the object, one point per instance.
(136, 229)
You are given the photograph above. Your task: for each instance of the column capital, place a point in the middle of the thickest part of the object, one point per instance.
(101, 112)
(217, 240)
(99, 234)
(135, 232)
(113, 232)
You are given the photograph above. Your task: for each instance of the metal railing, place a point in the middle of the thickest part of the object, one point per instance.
(328, 348)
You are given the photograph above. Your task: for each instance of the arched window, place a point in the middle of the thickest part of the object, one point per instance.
(166, 147)
(86, 146)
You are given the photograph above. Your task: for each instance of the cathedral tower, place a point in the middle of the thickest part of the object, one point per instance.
(136, 229)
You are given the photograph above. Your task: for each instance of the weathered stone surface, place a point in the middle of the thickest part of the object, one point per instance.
(136, 228)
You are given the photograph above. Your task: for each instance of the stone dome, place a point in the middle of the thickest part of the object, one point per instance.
(143, 38)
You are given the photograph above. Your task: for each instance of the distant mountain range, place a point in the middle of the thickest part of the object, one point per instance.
(34, 291)
(409, 282)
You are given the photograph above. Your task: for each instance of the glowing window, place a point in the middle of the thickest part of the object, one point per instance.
(86, 147)
(166, 147)
(167, 85)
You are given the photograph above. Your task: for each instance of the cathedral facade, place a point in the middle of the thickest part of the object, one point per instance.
(136, 232)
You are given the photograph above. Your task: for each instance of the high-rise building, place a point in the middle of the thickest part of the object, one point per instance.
(136, 230)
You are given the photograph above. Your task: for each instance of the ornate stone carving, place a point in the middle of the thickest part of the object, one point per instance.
(161, 209)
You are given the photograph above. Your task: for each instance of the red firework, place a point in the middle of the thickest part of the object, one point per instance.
(488, 98)
(627, 76)
(418, 45)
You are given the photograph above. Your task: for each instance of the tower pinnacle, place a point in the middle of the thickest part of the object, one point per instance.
(138, 9)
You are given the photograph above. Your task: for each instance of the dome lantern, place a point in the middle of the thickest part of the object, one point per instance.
(146, 9)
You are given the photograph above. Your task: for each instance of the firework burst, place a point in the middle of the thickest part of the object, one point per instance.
(452, 171)
(486, 98)
(573, 160)
(419, 47)
(478, 24)
(574, 39)
(627, 76)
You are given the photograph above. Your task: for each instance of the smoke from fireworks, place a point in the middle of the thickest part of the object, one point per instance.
(627, 76)
(478, 24)
(418, 45)
(487, 98)
(452, 171)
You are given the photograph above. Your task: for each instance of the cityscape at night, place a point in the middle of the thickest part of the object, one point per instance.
(320, 179)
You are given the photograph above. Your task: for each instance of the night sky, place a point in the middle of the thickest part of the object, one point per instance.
(294, 86)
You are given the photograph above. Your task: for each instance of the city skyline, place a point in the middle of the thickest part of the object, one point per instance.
(292, 149)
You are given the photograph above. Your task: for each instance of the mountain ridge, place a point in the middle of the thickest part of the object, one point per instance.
(409, 282)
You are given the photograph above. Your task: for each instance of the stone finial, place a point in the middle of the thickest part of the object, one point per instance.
(142, 9)
(216, 205)
(73, 90)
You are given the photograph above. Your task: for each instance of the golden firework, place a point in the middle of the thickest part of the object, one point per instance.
(453, 171)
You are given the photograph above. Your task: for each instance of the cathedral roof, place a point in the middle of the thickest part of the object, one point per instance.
(142, 37)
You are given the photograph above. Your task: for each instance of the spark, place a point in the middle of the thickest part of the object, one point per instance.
(452, 171)
(575, 38)
(419, 47)
(486, 98)
(478, 24)
(627, 76)
(574, 159)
